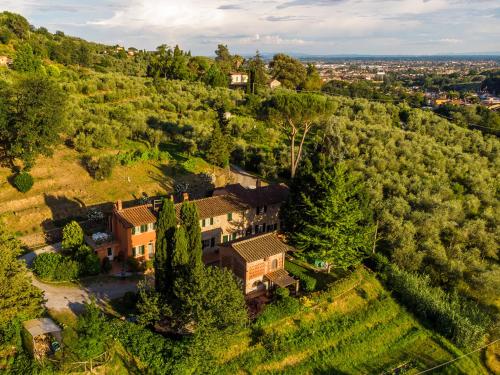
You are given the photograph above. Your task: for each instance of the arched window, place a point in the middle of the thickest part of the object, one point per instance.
(274, 264)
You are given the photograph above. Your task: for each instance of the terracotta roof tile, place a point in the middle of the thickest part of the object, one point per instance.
(216, 206)
(259, 247)
(264, 195)
(138, 215)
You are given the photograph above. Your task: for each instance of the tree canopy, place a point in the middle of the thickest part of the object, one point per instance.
(296, 114)
(289, 71)
(327, 216)
(18, 298)
(35, 113)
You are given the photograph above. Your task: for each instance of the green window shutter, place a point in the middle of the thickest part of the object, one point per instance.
(230, 216)
(203, 223)
(224, 238)
(134, 252)
(233, 236)
(211, 221)
(133, 230)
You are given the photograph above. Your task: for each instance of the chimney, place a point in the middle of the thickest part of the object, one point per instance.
(119, 206)
(258, 183)
(185, 196)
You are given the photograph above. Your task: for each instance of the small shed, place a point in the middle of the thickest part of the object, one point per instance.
(39, 335)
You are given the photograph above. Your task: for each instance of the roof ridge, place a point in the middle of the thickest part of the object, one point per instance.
(252, 238)
(207, 198)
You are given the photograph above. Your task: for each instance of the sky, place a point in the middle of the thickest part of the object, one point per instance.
(324, 27)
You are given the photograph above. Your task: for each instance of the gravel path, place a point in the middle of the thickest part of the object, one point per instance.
(73, 297)
(243, 177)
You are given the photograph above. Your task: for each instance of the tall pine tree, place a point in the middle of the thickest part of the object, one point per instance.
(335, 223)
(165, 228)
(190, 221)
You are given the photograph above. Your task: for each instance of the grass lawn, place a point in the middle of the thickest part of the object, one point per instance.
(355, 327)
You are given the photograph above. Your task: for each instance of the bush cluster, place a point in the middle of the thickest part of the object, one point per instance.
(307, 283)
(23, 182)
(100, 168)
(130, 157)
(284, 307)
(55, 267)
(456, 318)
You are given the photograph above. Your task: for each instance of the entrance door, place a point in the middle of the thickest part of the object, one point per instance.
(110, 253)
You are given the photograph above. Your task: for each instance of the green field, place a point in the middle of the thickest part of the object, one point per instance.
(355, 327)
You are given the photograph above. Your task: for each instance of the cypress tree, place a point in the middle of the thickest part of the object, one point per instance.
(180, 256)
(165, 228)
(190, 221)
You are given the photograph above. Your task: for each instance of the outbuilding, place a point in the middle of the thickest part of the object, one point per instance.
(41, 337)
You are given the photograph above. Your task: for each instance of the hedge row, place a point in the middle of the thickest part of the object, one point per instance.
(307, 283)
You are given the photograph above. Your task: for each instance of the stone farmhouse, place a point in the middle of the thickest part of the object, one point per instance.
(239, 231)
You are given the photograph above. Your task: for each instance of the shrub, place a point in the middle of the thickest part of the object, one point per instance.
(106, 265)
(66, 270)
(45, 265)
(23, 182)
(278, 310)
(149, 264)
(100, 168)
(54, 266)
(282, 293)
(72, 236)
(88, 262)
(307, 283)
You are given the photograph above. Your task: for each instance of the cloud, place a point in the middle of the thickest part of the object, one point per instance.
(308, 26)
(286, 18)
(309, 3)
(230, 7)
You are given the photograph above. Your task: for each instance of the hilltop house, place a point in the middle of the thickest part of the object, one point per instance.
(231, 214)
(238, 79)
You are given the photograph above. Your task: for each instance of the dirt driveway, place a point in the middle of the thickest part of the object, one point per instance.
(73, 297)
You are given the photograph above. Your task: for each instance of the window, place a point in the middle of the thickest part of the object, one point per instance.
(274, 264)
(233, 236)
(110, 251)
(211, 221)
(203, 223)
(151, 226)
(261, 210)
(136, 230)
(248, 231)
(275, 226)
(144, 228)
(150, 250)
(260, 228)
(138, 251)
(212, 242)
(225, 238)
(230, 216)
(270, 227)
(205, 244)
